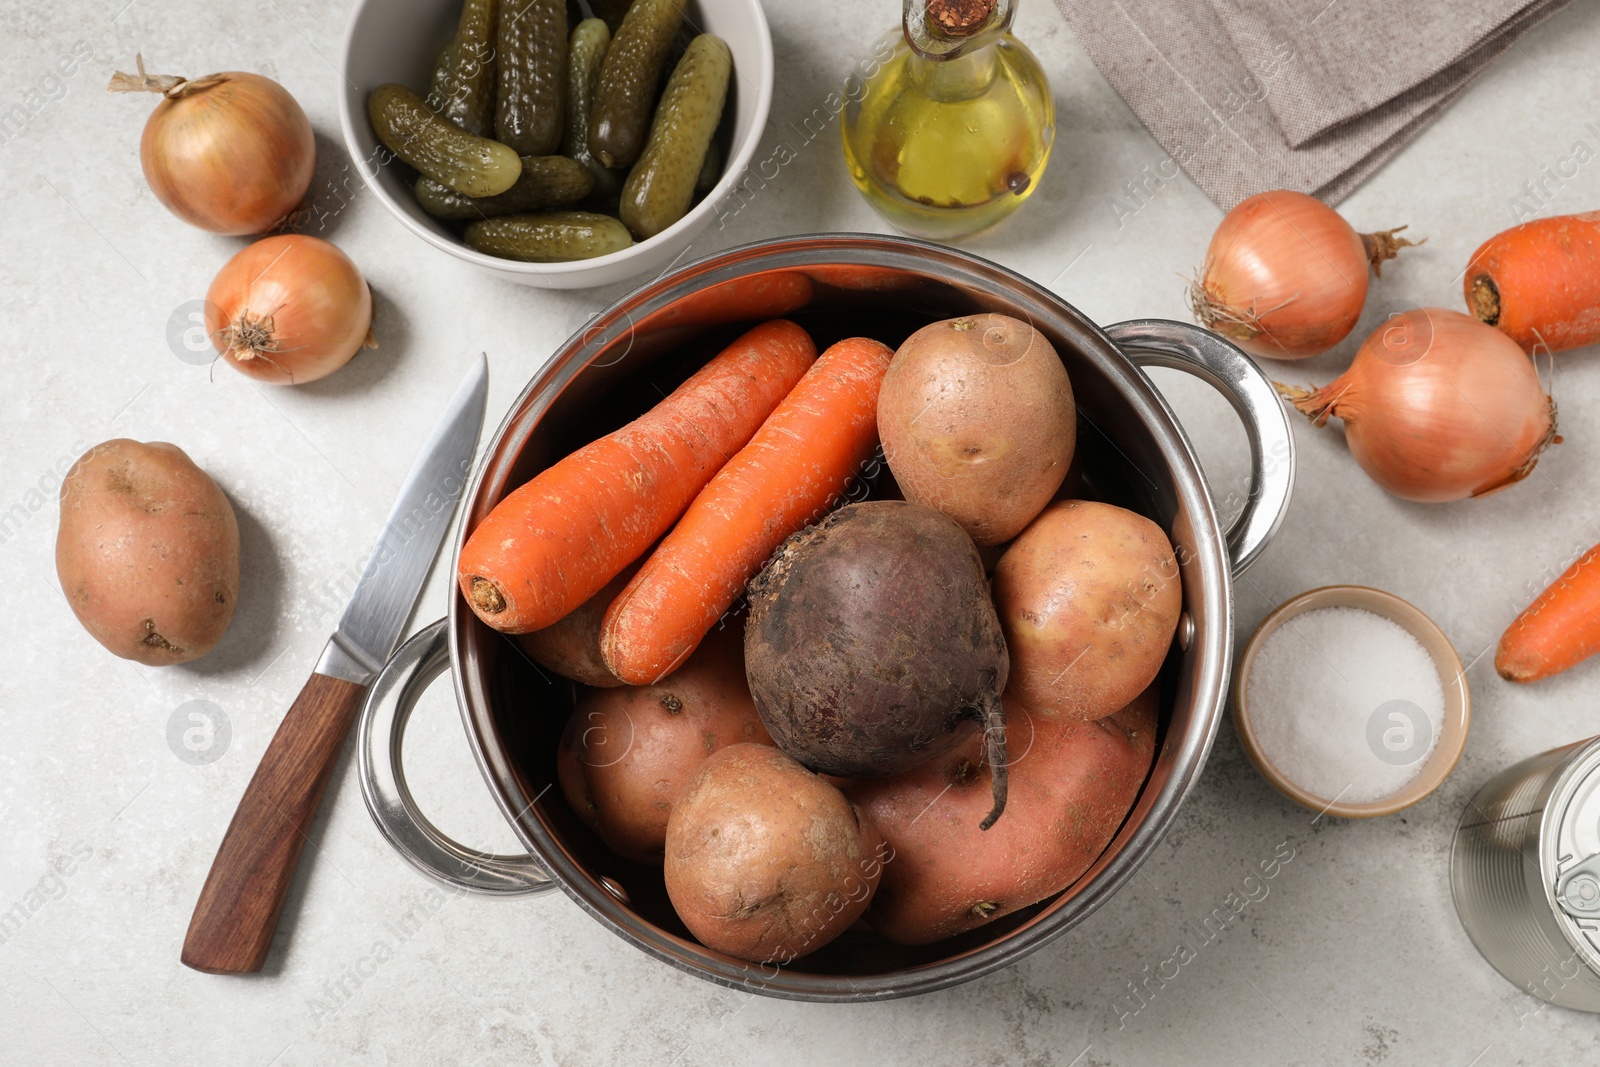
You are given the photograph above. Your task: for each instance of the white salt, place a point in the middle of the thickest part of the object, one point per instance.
(1345, 703)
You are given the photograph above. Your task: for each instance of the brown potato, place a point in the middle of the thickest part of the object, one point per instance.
(1072, 785)
(628, 752)
(147, 552)
(571, 645)
(1089, 598)
(977, 420)
(765, 860)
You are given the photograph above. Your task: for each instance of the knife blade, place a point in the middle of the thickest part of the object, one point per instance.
(370, 628)
(239, 906)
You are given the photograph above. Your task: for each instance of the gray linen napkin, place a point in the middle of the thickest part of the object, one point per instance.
(1247, 95)
(1354, 56)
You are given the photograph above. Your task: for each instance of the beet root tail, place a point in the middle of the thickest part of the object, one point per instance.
(993, 718)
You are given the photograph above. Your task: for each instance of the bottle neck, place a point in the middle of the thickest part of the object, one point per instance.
(945, 29)
(962, 77)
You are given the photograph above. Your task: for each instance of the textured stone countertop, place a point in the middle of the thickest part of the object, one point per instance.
(1353, 955)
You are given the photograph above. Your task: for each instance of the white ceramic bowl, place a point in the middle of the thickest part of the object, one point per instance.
(398, 41)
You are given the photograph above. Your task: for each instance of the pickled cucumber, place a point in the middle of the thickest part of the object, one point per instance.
(464, 81)
(440, 85)
(547, 181)
(531, 59)
(552, 237)
(586, 50)
(475, 166)
(626, 96)
(660, 187)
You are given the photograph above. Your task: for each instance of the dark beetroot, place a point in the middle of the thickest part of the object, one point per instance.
(871, 638)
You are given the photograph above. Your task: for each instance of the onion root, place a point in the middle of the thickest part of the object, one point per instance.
(249, 337)
(1219, 316)
(1551, 437)
(253, 337)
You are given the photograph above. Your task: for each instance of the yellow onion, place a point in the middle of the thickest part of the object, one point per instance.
(289, 310)
(231, 153)
(1438, 406)
(1286, 276)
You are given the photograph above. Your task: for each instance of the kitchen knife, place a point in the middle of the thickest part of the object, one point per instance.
(238, 910)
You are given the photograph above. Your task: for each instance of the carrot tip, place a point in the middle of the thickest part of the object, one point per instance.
(486, 597)
(1517, 667)
(1484, 296)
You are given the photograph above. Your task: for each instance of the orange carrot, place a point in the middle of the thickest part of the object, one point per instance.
(1540, 282)
(789, 474)
(1559, 629)
(556, 540)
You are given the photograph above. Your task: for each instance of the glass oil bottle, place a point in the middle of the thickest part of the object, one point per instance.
(953, 132)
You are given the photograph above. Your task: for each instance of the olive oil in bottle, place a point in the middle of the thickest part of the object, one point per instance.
(953, 132)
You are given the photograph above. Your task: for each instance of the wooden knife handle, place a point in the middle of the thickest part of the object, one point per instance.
(238, 909)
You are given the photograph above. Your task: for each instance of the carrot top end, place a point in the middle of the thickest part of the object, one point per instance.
(486, 597)
(1484, 296)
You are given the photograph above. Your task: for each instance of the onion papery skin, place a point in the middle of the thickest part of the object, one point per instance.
(1285, 277)
(289, 310)
(231, 153)
(1438, 406)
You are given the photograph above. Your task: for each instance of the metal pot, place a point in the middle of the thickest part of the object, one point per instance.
(1133, 453)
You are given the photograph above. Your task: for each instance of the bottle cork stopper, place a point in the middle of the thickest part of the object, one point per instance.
(960, 18)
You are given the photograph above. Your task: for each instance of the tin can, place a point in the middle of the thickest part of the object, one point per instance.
(1525, 874)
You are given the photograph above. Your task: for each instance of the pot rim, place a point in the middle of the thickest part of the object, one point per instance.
(1212, 642)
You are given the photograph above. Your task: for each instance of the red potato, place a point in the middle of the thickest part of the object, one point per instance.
(1089, 599)
(1072, 785)
(571, 646)
(977, 419)
(147, 552)
(767, 861)
(627, 752)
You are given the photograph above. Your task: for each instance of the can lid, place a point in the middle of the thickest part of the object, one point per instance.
(1570, 853)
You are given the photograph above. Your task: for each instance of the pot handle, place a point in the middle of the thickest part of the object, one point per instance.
(1216, 361)
(383, 780)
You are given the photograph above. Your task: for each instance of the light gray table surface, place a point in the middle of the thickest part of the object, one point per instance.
(1354, 956)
